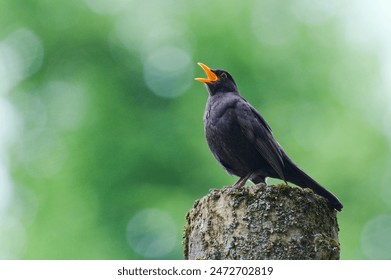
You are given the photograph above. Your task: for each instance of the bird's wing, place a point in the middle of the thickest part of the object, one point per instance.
(258, 132)
(259, 117)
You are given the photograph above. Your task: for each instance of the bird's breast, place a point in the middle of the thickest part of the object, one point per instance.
(220, 119)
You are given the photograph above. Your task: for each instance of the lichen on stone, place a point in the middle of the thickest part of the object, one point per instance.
(261, 222)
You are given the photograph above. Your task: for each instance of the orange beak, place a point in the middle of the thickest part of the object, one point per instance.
(211, 77)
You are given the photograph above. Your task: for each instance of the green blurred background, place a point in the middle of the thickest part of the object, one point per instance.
(102, 150)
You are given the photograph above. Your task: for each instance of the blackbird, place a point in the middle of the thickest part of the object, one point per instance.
(243, 143)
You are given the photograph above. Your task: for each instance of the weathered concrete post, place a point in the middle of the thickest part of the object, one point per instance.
(261, 222)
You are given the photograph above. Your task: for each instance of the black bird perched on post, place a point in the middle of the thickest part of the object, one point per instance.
(243, 143)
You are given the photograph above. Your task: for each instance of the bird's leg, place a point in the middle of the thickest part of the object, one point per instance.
(258, 179)
(241, 181)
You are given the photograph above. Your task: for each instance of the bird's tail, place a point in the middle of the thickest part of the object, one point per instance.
(297, 176)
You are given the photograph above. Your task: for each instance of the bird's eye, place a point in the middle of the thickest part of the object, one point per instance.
(224, 75)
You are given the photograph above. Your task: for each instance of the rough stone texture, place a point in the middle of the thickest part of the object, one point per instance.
(261, 222)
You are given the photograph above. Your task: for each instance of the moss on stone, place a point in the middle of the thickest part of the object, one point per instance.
(261, 222)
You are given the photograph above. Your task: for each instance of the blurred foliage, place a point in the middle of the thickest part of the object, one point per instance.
(108, 152)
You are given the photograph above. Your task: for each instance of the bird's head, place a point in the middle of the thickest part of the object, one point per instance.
(217, 81)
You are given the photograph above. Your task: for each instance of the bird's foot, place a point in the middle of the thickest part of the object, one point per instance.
(241, 182)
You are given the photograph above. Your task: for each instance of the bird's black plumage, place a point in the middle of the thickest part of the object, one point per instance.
(243, 143)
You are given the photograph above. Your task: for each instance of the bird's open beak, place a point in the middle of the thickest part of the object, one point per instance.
(211, 77)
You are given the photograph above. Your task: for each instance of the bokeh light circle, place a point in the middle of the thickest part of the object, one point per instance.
(375, 239)
(152, 233)
(168, 71)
